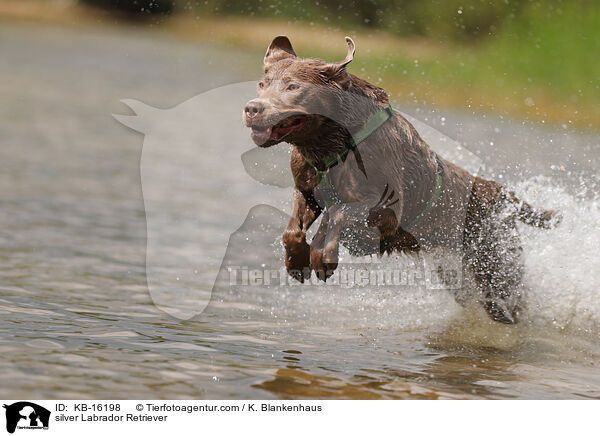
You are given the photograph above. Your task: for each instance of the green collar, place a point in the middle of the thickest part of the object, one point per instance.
(373, 123)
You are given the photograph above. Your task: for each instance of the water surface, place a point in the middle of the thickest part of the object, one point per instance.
(77, 319)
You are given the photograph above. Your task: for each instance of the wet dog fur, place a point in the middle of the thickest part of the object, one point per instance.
(384, 183)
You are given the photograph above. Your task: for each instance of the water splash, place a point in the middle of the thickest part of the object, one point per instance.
(562, 264)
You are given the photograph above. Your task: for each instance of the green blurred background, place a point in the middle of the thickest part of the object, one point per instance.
(537, 60)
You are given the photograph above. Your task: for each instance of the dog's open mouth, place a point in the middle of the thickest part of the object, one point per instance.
(262, 134)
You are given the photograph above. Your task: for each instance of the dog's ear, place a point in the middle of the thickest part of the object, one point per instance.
(336, 72)
(280, 48)
(349, 55)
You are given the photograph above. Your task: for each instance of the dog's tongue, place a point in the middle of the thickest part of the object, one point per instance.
(260, 136)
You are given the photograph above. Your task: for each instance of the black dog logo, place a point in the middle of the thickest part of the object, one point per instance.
(26, 415)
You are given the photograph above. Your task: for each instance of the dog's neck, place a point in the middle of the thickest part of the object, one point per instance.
(330, 139)
(334, 137)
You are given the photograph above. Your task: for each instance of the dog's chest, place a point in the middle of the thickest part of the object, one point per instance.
(337, 187)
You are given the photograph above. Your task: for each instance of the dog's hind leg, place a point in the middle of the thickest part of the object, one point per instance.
(496, 260)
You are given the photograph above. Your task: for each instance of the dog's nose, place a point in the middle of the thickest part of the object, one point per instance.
(253, 108)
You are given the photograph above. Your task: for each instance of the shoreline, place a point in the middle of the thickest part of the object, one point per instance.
(430, 87)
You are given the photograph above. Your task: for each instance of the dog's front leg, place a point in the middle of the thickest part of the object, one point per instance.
(354, 215)
(337, 217)
(297, 251)
(344, 216)
(316, 250)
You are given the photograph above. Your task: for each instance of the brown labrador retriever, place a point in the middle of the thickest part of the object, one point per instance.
(379, 185)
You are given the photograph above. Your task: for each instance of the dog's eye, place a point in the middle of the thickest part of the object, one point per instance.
(261, 84)
(292, 87)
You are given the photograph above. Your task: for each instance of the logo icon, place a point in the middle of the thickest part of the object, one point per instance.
(26, 415)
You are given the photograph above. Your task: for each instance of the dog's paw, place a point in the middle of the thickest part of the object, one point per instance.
(299, 274)
(384, 219)
(500, 313)
(322, 269)
(297, 255)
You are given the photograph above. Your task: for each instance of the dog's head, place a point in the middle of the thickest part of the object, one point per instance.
(295, 95)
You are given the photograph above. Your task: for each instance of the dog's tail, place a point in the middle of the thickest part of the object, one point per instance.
(543, 218)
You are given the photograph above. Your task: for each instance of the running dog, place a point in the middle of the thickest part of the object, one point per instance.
(379, 186)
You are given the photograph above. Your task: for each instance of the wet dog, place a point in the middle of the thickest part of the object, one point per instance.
(379, 186)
